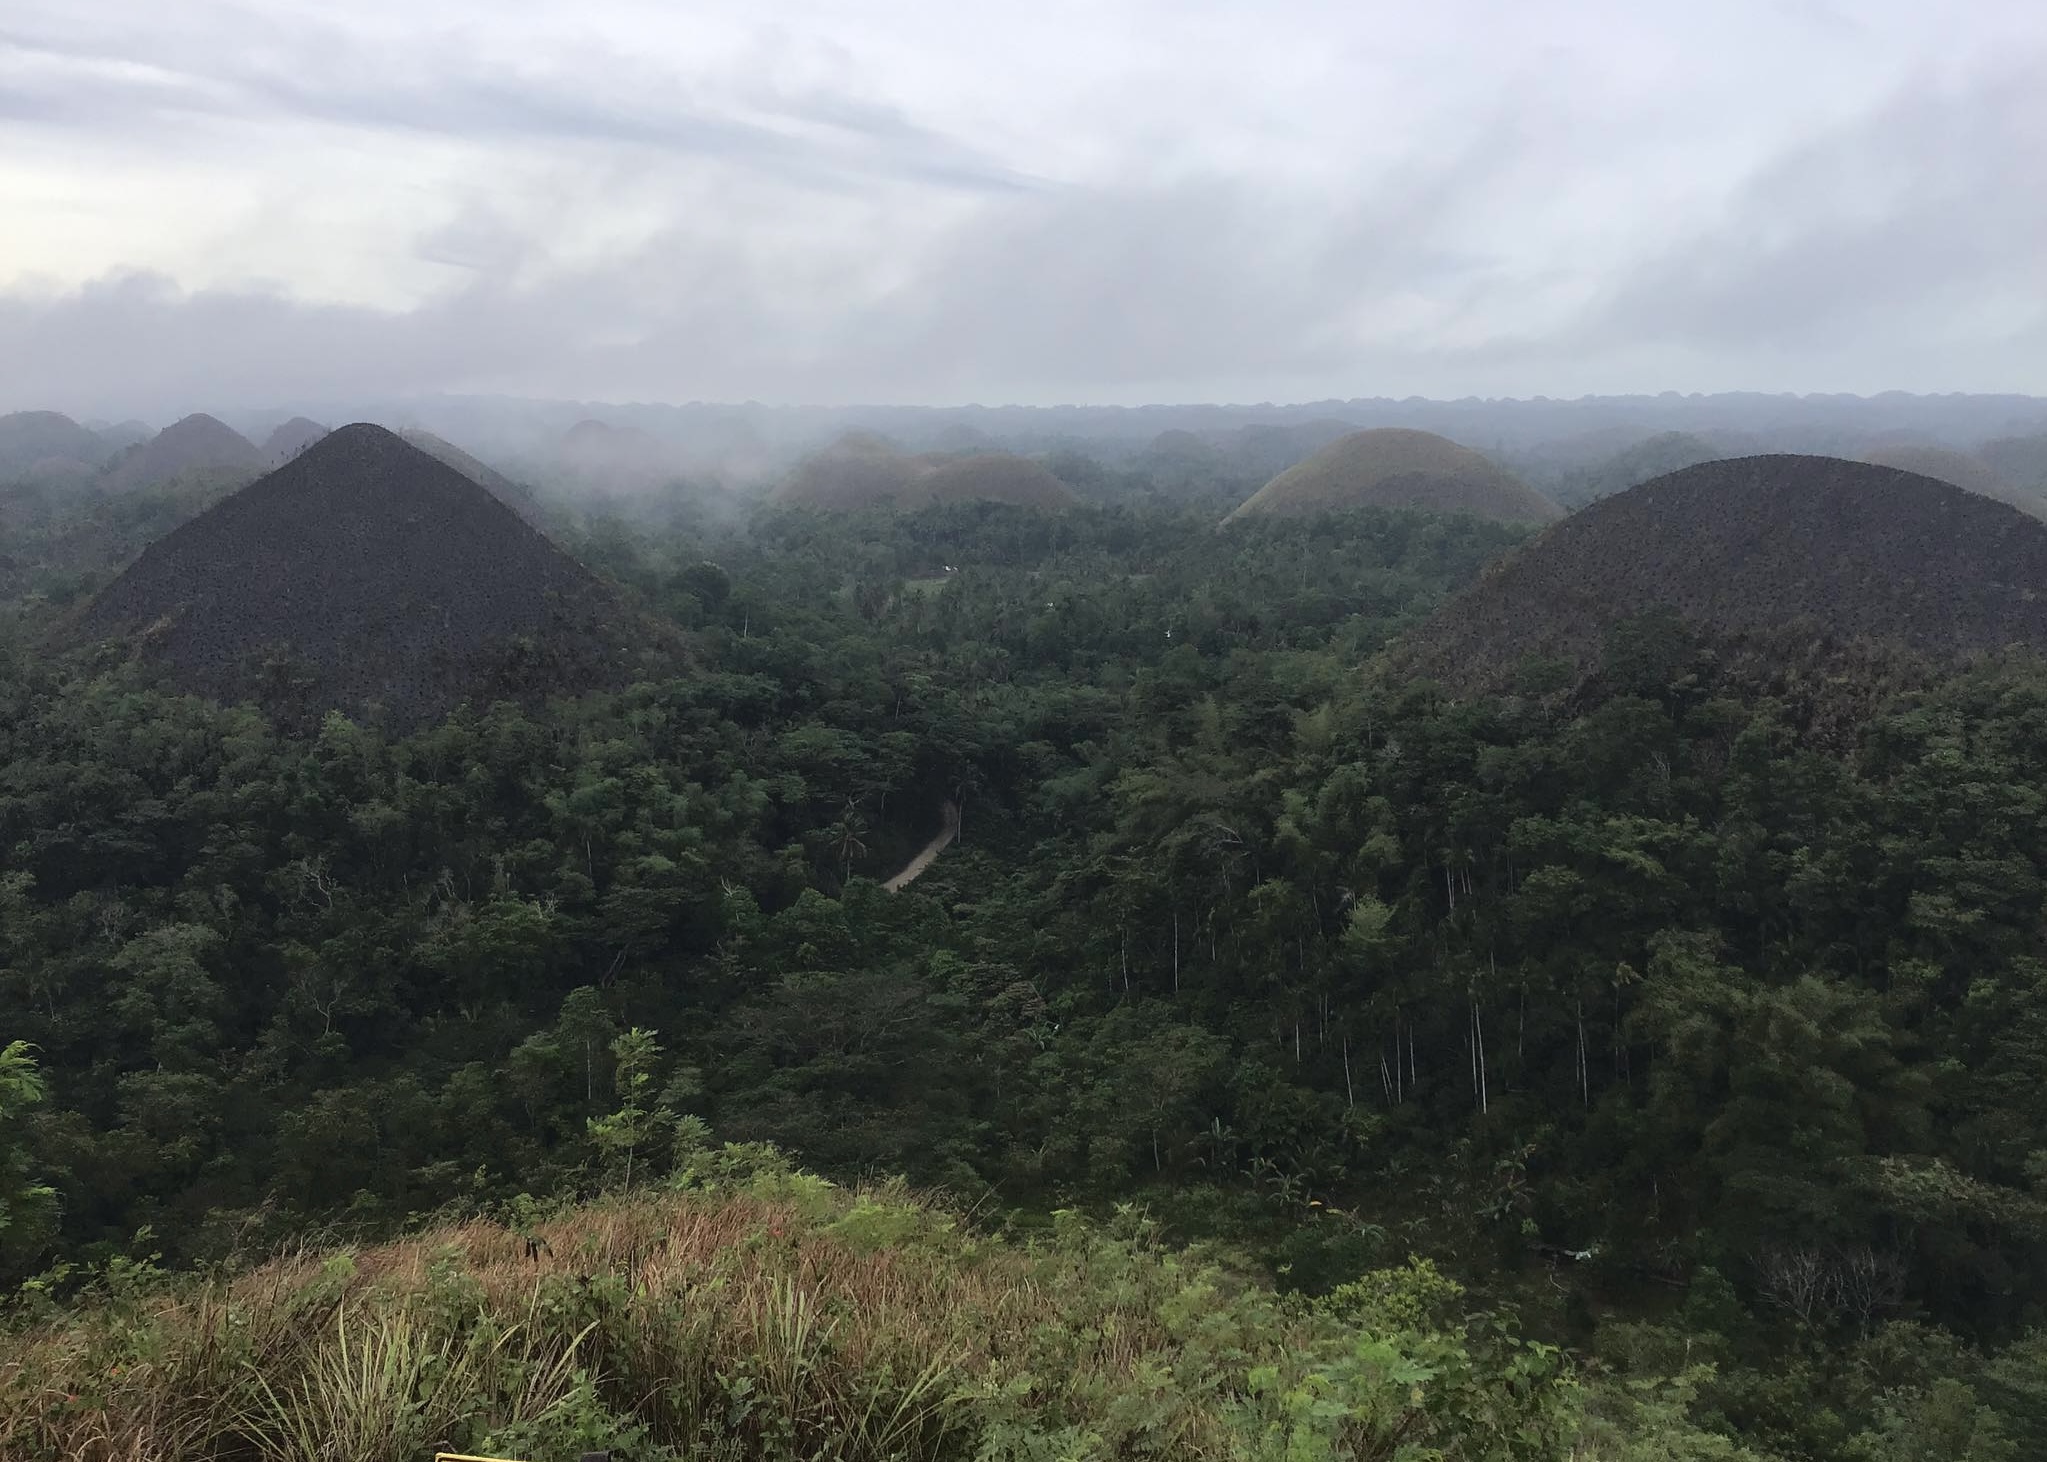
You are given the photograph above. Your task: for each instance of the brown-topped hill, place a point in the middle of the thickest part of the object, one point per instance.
(861, 470)
(1395, 467)
(366, 573)
(994, 477)
(1746, 546)
(195, 446)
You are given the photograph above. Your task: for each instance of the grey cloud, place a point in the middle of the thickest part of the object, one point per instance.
(1895, 228)
(1902, 249)
(121, 82)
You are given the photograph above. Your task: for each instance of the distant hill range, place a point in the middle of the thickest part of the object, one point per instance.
(1851, 551)
(194, 446)
(366, 575)
(1393, 467)
(862, 470)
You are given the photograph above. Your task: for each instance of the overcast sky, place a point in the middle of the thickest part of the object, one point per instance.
(216, 204)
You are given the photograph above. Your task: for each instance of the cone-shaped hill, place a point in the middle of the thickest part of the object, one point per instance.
(1746, 546)
(31, 439)
(1395, 467)
(863, 471)
(1972, 474)
(367, 573)
(292, 438)
(196, 446)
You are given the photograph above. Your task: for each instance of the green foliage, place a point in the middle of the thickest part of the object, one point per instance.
(27, 1207)
(1713, 1039)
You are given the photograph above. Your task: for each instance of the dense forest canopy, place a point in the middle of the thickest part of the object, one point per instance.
(1713, 1049)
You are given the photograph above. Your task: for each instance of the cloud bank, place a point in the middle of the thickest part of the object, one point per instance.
(242, 204)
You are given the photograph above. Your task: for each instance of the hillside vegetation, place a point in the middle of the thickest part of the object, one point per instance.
(1393, 467)
(763, 1313)
(1704, 1049)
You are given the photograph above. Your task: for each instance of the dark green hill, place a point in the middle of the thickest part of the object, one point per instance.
(367, 573)
(1857, 552)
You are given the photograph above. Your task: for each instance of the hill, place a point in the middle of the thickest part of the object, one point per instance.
(195, 446)
(122, 435)
(1393, 467)
(1971, 474)
(290, 439)
(365, 572)
(597, 454)
(1862, 553)
(993, 477)
(1633, 465)
(1262, 449)
(514, 495)
(31, 440)
(859, 470)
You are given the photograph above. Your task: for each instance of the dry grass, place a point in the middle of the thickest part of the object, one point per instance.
(789, 1319)
(777, 1318)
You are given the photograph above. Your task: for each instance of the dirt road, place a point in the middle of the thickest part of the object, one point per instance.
(914, 869)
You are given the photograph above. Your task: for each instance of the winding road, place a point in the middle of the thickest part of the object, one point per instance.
(914, 869)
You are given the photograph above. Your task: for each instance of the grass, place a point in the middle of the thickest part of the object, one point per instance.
(767, 1316)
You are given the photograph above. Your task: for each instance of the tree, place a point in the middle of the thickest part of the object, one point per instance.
(28, 1209)
(640, 1122)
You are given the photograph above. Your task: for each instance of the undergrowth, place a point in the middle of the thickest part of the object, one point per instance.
(757, 1312)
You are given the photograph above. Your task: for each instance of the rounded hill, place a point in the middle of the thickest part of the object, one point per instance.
(1396, 467)
(1859, 552)
(365, 573)
(194, 446)
(29, 440)
(994, 477)
(859, 470)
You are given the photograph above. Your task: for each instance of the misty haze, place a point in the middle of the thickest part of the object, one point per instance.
(884, 732)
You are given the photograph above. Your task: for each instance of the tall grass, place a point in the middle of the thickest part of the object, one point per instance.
(779, 1318)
